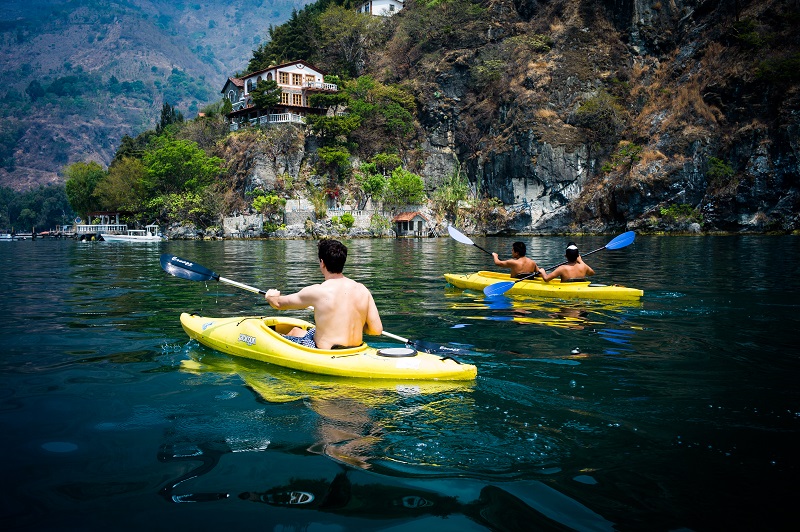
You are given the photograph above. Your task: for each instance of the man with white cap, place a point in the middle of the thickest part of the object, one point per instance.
(574, 270)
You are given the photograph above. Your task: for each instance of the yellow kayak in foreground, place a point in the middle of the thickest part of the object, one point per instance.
(536, 287)
(259, 338)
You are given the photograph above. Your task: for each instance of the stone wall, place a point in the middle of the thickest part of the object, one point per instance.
(248, 225)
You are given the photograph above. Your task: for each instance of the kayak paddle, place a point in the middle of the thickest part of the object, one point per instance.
(186, 269)
(458, 236)
(625, 239)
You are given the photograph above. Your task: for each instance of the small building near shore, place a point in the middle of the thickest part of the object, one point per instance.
(411, 224)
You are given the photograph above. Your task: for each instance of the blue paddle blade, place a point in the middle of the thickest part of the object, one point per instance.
(498, 288)
(625, 239)
(186, 269)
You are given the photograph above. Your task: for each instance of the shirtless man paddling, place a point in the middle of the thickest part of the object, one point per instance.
(519, 264)
(343, 309)
(574, 270)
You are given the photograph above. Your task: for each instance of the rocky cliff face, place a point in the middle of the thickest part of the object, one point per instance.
(603, 115)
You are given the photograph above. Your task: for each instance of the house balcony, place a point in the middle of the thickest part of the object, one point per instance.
(316, 85)
(276, 118)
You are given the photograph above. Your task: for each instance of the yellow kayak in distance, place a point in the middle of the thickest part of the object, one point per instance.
(260, 338)
(536, 287)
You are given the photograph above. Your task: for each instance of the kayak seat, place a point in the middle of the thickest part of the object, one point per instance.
(282, 328)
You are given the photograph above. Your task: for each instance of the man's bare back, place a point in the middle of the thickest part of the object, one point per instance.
(567, 272)
(519, 264)
(343, 309)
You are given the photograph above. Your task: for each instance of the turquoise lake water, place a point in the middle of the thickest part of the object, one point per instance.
(679, 412)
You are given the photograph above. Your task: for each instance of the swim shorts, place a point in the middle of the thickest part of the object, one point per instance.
(307, 340)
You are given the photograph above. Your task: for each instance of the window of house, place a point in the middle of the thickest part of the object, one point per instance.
(285, 98)
(391, 8)
(249, 85)
(283, 78)
(269, 76)
(297, 99)
(310, 79)
(297, 79)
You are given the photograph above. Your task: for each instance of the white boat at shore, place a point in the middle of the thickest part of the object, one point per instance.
(149, 234)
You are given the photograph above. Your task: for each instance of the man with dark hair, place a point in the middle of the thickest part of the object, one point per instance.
(343, 309)
(574, 270)
(520, 264)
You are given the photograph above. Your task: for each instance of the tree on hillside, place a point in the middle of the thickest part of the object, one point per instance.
(35, 90)
(124, 186)
(366, 183)
(82, 179)
(386, 162)
(404, 188)
(330, 100)
(133, 147)
(333, 161)
(175, 165)
(169, 116)
(220, 107)
(291, 40)
(266, 94)
(386, 114)
(344, 38)
(332, 128)
(206, 131)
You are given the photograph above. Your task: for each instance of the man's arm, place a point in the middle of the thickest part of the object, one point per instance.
(299, 300)
(589, 270)
(549, 276)
(504, 263)
(373, 324)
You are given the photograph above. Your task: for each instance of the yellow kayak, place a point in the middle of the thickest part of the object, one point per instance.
(536, 287)
(259, 338)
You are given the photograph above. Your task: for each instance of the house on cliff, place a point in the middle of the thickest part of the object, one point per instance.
(383, 8)
(298, 80)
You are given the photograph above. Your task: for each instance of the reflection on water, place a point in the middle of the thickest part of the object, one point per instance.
(569, 314)
(353, 415)
(495, 508)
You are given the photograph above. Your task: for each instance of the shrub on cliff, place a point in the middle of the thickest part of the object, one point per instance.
(404, 188)
(602, 117)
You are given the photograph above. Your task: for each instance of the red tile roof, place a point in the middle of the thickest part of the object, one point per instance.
(408, 216)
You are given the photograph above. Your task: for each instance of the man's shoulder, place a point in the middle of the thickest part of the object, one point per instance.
(311, 288)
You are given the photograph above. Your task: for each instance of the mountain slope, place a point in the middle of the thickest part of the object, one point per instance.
(600, 114)
(104, 69)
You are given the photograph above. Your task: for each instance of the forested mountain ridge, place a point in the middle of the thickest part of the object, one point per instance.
(79, 75)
